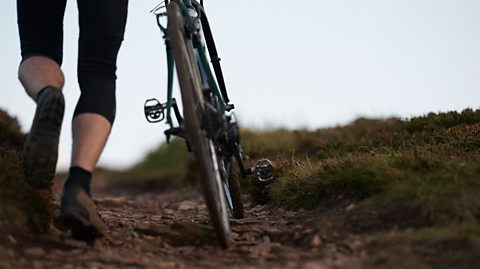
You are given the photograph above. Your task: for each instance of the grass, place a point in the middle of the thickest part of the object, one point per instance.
(169, 165)
(21, 207)
(411, 186)
(444, 188)
(370, 157)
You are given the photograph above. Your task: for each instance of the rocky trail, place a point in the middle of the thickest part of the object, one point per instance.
(165, 229)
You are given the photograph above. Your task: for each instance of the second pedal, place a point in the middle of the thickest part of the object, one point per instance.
(264, 170)
(154, 110)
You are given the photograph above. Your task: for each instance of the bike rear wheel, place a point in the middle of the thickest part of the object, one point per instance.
(194, 109)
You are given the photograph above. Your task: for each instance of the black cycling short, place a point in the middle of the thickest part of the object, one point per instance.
(102, 27)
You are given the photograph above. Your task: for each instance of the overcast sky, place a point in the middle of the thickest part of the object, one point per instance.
(296, 64)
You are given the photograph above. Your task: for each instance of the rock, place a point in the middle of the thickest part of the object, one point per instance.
(247, 228)
(168, 217)
(146, 229)
(315, 265)
(258, 208)
(12, 239)
(148, 237)
(6, 253)
(244, 221)
(112, 201)
(166, 264)
(95, 266)
(297, 235)
(279, 211)
(201, 207)
(179, 233)
(356, 245)
(275, 233)
(168, 214)
(187, 205)
(166, 245)
(289, 214)
(194, 232)
(262, 249)
(316, 241)
(248, 237)
(34, 251)
(277, 248)
(74, 243)
(38, 265)
(350, 207)
(168, 211)
(347, 262)
(235, 236)
(135, 234)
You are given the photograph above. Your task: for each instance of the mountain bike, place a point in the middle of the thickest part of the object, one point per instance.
(208, 122)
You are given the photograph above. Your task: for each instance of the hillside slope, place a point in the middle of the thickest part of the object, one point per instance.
(376, 193)
(407, 191)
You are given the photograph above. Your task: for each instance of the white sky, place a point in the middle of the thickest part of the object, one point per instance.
(311, 64)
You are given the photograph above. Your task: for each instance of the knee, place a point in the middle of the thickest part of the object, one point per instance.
(38, 72)
(97, 95)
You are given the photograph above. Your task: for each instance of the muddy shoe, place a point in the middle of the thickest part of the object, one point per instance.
(79, 214)
(41, 148)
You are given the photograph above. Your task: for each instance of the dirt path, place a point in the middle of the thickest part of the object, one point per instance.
(172, 230)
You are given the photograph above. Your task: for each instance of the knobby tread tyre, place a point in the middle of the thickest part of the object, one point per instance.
(235, 191)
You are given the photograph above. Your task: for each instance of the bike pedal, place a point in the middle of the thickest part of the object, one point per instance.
(154, 110)
(264, 170)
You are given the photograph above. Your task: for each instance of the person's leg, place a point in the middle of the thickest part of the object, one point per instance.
(40, 26)
(37, 73)
(90, 134)
(102, 25)
(41, 36)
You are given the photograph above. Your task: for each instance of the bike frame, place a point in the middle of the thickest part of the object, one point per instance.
(198, 29)
(197, 41)
(199, 33)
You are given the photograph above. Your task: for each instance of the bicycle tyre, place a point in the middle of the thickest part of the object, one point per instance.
(235, 190)
(193, 109)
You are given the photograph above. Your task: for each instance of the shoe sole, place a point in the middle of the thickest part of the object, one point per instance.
(83, 219)
(41, 148)
(80, 227)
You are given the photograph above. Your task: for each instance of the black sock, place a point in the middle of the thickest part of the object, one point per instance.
(79, 177)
